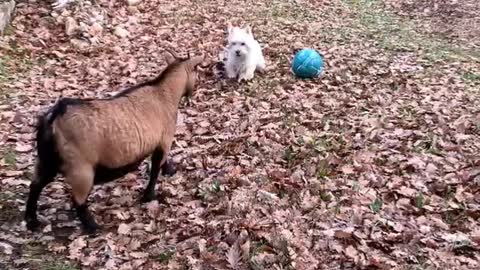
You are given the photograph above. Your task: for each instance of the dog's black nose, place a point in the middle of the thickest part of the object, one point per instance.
(237, 53)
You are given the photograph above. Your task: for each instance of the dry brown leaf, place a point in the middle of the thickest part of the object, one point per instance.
(233, 257)
(124, 228)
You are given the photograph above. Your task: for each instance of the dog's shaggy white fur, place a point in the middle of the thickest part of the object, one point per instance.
(244, 54)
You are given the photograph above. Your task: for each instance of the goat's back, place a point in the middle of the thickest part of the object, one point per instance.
(115, 132)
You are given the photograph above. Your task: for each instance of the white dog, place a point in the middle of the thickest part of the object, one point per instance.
(244, 54)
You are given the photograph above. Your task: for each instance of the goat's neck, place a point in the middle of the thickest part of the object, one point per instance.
(173, 90)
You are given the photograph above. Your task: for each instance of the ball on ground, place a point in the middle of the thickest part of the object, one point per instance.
(307, 63)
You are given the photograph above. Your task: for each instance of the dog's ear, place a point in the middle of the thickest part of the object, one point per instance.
(248, 30)
(229, 27)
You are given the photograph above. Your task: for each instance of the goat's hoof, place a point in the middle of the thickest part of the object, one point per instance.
(91, 228)
(150, 197)
(33, 224)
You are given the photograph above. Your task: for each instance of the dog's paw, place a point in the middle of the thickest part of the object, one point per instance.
(241, 78)
(231, 75)
(249, 77)
(261, 67)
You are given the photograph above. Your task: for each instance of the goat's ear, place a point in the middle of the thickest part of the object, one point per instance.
(169, 57)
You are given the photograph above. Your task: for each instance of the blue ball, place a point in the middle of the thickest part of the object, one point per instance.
(307, 63)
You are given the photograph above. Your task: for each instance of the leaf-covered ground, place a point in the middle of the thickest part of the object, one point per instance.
(374, 165)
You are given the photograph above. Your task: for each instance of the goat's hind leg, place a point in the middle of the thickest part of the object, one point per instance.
(43, 175)
(81, 180)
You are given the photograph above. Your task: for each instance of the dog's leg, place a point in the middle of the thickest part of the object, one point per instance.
(249, 73)
(261, 64)
(231, 74)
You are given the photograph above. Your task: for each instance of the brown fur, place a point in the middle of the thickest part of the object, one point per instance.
(118, 132)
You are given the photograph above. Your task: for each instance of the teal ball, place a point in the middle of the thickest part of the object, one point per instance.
(307, 63)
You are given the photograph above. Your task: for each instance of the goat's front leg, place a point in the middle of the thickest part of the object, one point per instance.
(149, 193)
(159, 161)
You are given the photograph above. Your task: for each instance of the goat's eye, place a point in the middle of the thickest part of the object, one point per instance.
(243, 44)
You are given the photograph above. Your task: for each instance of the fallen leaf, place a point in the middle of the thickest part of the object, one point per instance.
(124, 228)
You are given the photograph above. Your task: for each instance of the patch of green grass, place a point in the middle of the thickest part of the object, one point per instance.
(419, 200)
(14, 59)
(256, 248)
(9, 212)
(449, 218)
(36, 256)
(251, 89)
(8, 30)
(317, 144)
(216, 187)
(208, 192)
(455, 217)
(289, 10)
(449, 193)
(165, 256)
(408, 113)
(288, 119)
(337, 207)
(323, 169)
(61, 266)
(397, 35)
(376, 205)
(471, 76)
(325, 196)
(266, 86)
(4, 59)
(8, 208)
(285, 256)
(289, 155)
(428, 145)
(9, 157)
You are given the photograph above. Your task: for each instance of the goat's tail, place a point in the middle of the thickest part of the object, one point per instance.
(48, 161)
(48, 158)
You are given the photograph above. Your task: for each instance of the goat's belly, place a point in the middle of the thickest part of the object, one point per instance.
(105, 174)
(116, 155)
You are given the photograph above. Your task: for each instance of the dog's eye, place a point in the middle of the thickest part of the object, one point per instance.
(243, 44)
(234, 43)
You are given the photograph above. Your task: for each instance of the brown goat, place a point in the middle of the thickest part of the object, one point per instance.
(93, 141)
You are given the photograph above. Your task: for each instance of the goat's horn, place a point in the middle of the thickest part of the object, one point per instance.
(197, 60)
(172, 53)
